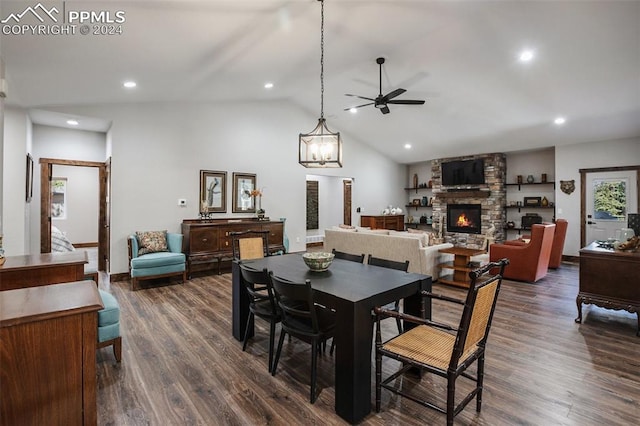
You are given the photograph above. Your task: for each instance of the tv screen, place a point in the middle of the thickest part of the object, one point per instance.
(464, 172)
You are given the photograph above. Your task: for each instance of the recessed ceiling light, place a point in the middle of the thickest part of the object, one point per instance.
(72, 122)
(407, 146)
(353, 110)
(526, 55)
(268, 85)
(560, 121)
(129, 84)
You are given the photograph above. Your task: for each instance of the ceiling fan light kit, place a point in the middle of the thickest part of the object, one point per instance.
(381, 101)
(320, 148)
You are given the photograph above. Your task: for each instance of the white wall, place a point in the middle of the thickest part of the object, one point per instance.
(82, 203)
(569, 160)
(158, 151)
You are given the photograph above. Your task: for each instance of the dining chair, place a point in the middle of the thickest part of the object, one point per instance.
(441, 349)
(348, 256)
(262, 303)
(302, 319)
(391, 264)
(250, 244)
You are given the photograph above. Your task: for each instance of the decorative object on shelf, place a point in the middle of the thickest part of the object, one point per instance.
(318, 261)
(415, 180)
(519, 203)
(398, 210)
(430, 184)
(425, 201)
(257, 200)
(423, 219)
(530, 179)
(409, 219)
(532, 201)
(511, 224)
(530, 219)
(321, 147)
(392, 210)
(416, 201)
(243, 184)
(519, 178)
(213, 192)
(543, 178)
(544, 202)
(567, 186)
(429, 220)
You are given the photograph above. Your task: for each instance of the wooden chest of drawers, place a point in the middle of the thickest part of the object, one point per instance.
(207, 242)
(394, 222)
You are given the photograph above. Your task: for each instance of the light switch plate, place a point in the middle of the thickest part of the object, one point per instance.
(182, 202)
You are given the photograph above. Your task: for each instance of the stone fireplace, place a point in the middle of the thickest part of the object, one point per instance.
(464, 218)
(490, 196)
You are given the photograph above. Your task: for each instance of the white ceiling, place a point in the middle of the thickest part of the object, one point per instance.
(461, 56)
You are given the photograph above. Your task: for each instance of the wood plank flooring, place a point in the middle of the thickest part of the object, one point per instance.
(181, 366)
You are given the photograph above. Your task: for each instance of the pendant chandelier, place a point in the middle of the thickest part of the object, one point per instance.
(321, 147)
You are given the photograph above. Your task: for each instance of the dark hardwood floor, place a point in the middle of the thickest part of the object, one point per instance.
(181, 366)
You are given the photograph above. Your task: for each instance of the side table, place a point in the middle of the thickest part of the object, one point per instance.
(460, 266)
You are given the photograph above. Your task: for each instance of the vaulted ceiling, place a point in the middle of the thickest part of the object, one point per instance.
(461, 56)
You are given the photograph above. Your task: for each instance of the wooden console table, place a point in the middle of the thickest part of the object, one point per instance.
(460, 266)
(609, 279)
(42, 269)
(49, 336)
(393, 222)
(208, 241)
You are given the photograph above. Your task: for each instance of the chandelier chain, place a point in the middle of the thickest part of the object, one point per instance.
(321, 59)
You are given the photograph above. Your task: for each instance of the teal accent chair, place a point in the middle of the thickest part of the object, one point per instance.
(156, 265)
(109, 325)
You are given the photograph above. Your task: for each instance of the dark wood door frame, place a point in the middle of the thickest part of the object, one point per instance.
(46, 173)
(583, 194)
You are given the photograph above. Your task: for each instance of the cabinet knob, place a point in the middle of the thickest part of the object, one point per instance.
(204, 240)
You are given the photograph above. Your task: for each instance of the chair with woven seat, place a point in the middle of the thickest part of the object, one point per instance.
(250, 244)
(262, 304)
(348, 256)
(304, 319)
(391, 264)
(445, 351)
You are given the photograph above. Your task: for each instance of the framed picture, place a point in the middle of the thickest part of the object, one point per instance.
(532, 201)
(213, 191)
(416, 201)
(29, 179)
(243, 184)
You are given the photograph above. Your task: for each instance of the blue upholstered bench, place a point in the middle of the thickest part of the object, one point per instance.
(109, 324)
(158, 264)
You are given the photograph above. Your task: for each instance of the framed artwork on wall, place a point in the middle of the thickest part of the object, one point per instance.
(213, 191)
(29, 179)
(243, 184)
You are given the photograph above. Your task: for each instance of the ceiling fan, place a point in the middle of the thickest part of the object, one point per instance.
(381, 101)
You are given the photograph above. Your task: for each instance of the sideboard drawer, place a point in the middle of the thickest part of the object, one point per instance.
(203, 240)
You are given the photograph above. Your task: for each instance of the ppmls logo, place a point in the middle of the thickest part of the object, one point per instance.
(49, 21)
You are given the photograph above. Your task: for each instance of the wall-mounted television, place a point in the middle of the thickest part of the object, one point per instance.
(463, 172)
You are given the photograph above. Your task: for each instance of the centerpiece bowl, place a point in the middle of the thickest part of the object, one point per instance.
(318, 261)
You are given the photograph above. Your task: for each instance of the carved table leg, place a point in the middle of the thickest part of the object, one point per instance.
(579, 303)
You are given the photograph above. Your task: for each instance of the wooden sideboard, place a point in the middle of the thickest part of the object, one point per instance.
(42, 269)
(609, 279)
(394, 222)
(208, 241)
(49, 336)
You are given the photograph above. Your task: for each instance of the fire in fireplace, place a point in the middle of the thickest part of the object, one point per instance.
(464, 218)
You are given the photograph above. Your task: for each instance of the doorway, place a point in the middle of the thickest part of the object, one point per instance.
(608, 195)
(46, 193)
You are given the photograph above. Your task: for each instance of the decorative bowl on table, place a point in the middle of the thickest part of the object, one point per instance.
(318, 261)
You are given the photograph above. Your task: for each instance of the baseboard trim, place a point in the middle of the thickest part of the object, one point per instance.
(571, 259)
(85, 245)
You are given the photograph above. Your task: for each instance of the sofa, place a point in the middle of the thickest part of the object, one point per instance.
(392, 245)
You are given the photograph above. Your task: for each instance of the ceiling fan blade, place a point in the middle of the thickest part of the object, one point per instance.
(394, 93)
(385, 110)
(370, 103)
(358, 96)
(406, 102)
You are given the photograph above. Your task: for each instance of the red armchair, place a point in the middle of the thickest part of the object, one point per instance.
(558, 242)
(527, 262)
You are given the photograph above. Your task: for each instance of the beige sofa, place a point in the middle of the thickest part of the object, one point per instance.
(398, 246)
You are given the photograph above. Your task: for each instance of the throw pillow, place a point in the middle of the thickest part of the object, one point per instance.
(151, 242)
(415, 231)
(343, 226)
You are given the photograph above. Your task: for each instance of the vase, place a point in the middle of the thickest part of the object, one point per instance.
(285, 239)
(544, 202)
(530, 179)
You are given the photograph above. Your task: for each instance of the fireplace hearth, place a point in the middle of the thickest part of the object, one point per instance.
(464, 218)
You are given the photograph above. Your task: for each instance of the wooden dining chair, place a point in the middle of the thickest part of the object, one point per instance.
(348, 256)
(391, 264)
(250, 244)
(441, 349)
(302, 318)
(262, 304)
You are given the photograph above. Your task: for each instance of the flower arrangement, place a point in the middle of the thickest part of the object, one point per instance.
(257, 194)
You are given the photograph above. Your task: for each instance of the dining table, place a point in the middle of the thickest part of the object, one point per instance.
(352, 289)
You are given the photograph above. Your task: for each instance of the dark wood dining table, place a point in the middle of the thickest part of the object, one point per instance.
(353, 290)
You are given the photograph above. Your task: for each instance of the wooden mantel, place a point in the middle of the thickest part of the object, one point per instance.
(470, 193)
